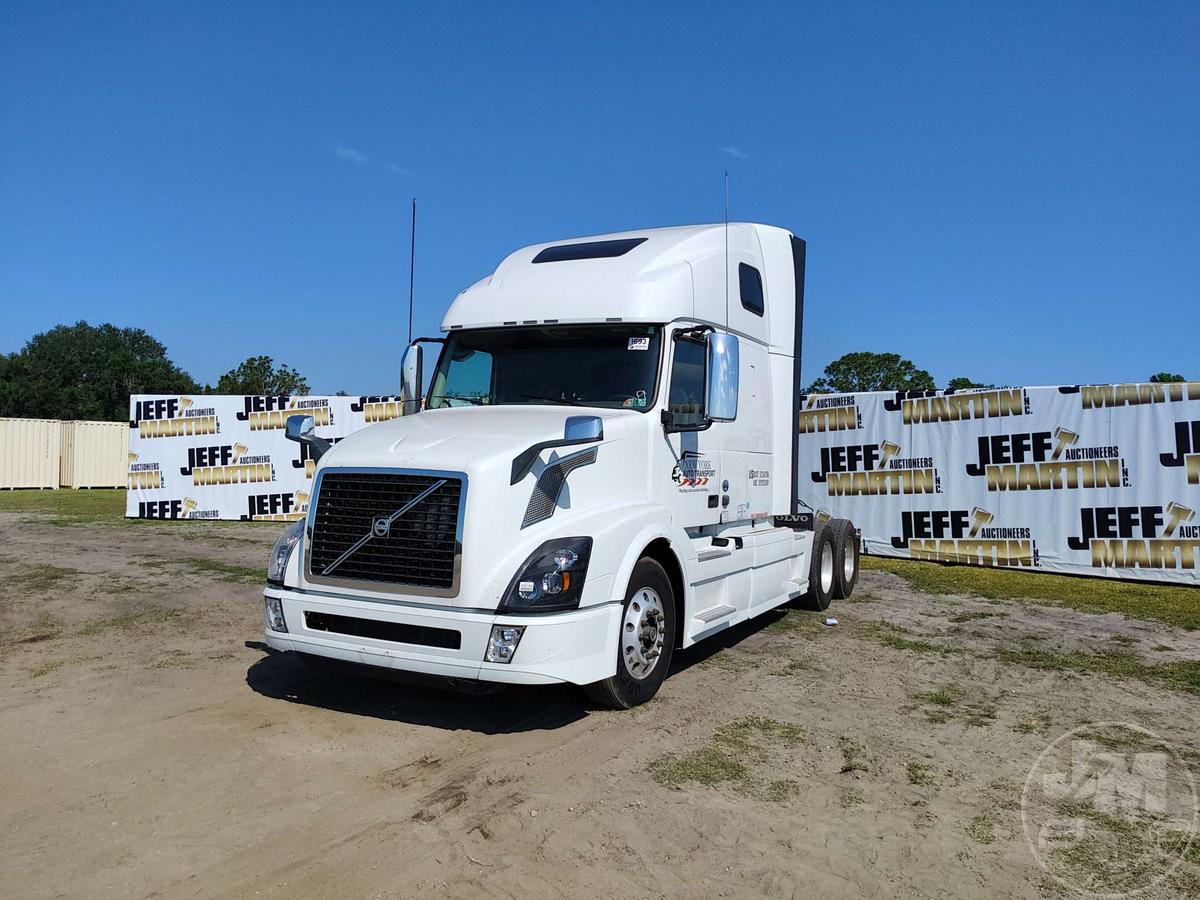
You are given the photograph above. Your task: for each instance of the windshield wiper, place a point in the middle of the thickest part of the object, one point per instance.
(477, 401)
(562, 400)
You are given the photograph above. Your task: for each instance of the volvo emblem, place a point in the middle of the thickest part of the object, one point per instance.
(381, 526)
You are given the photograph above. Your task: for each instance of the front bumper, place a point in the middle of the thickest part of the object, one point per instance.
(578, 646)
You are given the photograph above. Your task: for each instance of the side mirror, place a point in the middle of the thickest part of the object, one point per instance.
(721, 400)
(303, 430)
(412, 378)
(583, 429)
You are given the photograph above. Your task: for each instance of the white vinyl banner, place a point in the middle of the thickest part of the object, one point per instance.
(1095, 480)
(226, 457)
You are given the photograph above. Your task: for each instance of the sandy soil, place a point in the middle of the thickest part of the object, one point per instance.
(150, 745)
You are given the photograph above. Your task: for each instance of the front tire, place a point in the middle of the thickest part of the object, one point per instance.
(645, 643)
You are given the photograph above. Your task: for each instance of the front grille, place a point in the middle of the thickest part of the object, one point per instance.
(420, 548)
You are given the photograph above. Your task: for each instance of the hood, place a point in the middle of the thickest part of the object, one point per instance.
(480, 442)
(460, 438)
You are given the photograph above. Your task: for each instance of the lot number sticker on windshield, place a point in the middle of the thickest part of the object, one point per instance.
(639, 343)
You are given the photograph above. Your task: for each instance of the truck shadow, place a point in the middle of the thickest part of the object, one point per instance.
(437, 703)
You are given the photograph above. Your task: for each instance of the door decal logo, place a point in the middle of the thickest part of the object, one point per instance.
(693, 472)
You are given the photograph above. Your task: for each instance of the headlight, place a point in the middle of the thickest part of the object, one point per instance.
(282, 552)
(551, 579)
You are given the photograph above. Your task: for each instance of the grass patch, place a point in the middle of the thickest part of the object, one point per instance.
(1179, 606)
(1114, 854)
(729, 660)
(959, 618)
(1186, 882)
(46, 628)
(1039, 724)
(920, 774)
(729, 758)
(979, 715)
(174, 661)
(794, 621)
(200, 565)
(981, 828)
(55, 664)
(90, 507)
(850, 797)
(67, 505)
(947, 704)
(898, 639)
(1179, 675)
(46, 668)
(227, 571)
(854, 756)
(795, 667)
(135, 620)
(946, 696)
(862, 597)
(37, 578)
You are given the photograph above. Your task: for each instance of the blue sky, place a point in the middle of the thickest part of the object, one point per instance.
(1009, 193)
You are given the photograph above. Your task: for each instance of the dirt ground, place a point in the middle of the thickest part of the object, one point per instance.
(151, 745)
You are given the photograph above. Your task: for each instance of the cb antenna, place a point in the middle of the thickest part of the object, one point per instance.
(412, 261)
(727, 249)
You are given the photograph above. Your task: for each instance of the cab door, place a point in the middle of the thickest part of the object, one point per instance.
(694, 487)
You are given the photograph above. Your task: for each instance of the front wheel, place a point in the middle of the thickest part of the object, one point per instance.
(645, 643)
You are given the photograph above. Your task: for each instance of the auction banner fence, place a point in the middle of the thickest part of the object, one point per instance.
(226, 457)
(1095, 480)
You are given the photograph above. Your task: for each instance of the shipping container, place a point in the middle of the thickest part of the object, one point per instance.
(29, 451)
(94, 454)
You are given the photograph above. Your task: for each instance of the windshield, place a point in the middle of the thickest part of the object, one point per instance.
(611, 366)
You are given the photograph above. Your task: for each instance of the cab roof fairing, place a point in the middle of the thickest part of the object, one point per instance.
(652, 282)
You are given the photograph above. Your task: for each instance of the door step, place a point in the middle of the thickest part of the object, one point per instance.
(717, 612)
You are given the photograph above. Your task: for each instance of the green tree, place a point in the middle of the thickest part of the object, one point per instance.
(260, 375)
(1166, 378)
(871, 372)
(966, 384)
(84, 371)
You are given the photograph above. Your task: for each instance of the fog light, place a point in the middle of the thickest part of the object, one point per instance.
(503, 643)
(275, 620)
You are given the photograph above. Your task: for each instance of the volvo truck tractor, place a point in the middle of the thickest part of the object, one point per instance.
(601, 472)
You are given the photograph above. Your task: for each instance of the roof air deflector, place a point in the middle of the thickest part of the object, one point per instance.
(587, 250)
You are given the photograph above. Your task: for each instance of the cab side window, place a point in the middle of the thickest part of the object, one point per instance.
(685, 398)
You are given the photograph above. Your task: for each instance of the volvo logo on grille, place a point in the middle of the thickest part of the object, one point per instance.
(381, 526)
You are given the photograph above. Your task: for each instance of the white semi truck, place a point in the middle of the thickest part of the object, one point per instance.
(603, 471)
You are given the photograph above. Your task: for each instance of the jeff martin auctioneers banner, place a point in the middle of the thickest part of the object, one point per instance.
(226, 457)
(1098, 480)
(1095, 480)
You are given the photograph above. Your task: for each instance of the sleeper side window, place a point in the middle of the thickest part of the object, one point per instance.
(750, 283)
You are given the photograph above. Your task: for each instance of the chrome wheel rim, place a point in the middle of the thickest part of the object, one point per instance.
(851, 562)
(827, 568)
(643, 632)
